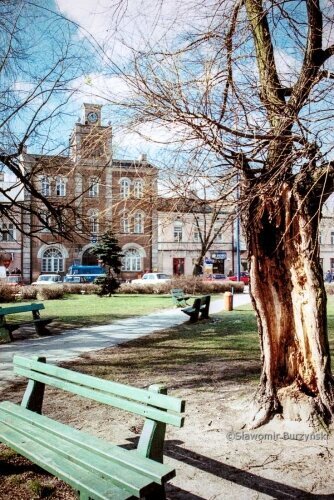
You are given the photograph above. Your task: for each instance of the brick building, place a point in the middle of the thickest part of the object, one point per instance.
(97, 193)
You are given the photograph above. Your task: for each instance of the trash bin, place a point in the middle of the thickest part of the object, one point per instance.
(228, 301)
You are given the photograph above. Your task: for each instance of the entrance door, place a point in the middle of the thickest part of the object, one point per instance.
(89, 259)
(178, 266)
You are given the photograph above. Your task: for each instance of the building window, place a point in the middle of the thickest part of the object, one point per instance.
(46, 186)
(196, 235)
(218, 233)
(332, 238)
(60, 186)
(132, 260)
(52, 261)
(125, 226)
(46, 221)
(125, 188)
(138, 223)
(93, 191)
(177, 231)
(138, 189)
(94, 221)
(7, 232)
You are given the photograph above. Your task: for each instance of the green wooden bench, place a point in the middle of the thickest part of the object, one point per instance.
(199, 309)
(179, 298)
(92, 466)
(38, 322)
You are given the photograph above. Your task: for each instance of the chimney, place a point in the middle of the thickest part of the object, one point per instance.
(143, 158)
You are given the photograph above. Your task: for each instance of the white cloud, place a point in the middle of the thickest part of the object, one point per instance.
(288, 67)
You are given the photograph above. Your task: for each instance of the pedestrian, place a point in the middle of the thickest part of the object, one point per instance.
(328, 277)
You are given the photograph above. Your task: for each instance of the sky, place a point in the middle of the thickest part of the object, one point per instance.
(101, 31)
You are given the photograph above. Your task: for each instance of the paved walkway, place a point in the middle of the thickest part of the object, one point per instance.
(73, 343)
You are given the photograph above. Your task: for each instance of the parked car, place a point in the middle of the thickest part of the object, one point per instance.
(14, 280)
(48, 279)
(75, 279)
(152, 279)
(244, 276)
(214, 277)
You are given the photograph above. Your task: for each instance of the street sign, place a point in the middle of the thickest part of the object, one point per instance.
(219, 255)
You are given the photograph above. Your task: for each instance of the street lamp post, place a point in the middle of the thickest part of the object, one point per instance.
(238, 230)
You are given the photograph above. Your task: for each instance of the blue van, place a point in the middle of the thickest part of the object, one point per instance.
(88, 272)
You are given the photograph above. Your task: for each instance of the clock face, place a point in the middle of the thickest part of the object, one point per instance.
(92, 117)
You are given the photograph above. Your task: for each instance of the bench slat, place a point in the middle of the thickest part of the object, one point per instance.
(120, 475)
(78, 477)
(20, 309)
(102, 397)
(157, 472)
(114, 388)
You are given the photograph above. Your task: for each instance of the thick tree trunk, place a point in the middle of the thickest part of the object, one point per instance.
(290, 302)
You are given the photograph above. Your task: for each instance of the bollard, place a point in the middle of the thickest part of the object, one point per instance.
(228, 301)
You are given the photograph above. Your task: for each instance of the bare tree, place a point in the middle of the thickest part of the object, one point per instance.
(208, 205)
(250, 84)
(38, 65)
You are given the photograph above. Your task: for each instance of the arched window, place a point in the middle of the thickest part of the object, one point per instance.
(60, 186)
(52, 261)
(125, 225)
(46, 186)
(132, 260)
(138, 189)
(93, 216)
(125, 188)
(138, 223)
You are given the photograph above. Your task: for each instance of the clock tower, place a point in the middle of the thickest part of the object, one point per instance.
(92, 114)
(90, 140)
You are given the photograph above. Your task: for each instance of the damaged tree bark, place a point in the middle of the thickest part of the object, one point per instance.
(290, 302)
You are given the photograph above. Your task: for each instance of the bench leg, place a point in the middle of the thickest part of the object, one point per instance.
(41, 330)
(3, 330)
(205, 313)
(194, 317)
(151, 441)
(158, 494)
(34, 393)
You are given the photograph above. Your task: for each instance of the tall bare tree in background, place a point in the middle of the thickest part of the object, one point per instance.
(251, 86)
(38, 68)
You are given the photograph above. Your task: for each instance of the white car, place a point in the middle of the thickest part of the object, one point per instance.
(152, 279)
(48, 279)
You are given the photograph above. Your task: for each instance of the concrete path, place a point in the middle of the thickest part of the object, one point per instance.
(73, 343)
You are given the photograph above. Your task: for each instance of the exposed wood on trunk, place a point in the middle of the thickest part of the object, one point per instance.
(290, 302)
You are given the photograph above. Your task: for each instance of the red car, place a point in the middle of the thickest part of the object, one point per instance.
(14, 280)
(244, 276)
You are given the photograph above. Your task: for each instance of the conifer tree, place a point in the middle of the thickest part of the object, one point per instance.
(109, 253)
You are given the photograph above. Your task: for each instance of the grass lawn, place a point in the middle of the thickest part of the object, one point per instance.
(215, 366)
(226, 349)
(91, 310)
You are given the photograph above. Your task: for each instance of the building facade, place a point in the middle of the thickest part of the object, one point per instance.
(96, 193)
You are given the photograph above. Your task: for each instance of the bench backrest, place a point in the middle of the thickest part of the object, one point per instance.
(4, 311)
(147, 403)
(205, 299)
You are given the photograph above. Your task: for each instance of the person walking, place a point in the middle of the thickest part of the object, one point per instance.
(328, 277)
